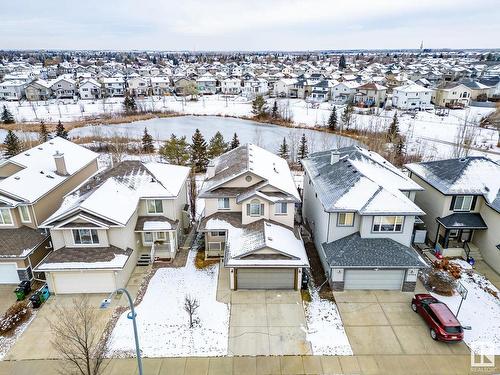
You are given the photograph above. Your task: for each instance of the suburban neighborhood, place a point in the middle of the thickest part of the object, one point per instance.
(250, 188)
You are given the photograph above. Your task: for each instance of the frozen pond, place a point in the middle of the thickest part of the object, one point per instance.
(264, 135)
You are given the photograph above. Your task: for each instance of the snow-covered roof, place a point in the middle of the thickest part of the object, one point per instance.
(360, 181)
(38, 175)
(475, 175)
(412, 87)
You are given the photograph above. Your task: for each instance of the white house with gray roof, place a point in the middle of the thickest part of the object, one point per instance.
(250, 199)
(360, 210)
(462, 202)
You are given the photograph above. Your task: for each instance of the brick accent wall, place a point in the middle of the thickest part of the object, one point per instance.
(409, 286)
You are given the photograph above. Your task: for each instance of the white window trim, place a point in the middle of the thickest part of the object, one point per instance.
(462, 209)
(223, 200)
(259, 213)
(144, 242)
(280, 211)
(339, 224)
(21, 214)
(154, 204)
(394, 226)
(85, 244)
(2, 223)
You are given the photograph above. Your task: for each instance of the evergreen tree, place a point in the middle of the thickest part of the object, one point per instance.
(332, 120)
(303, 149)
(129, 105)
(347, 116)
(175, 150)
(44, 133)
(12, 144)
(259, 106)
(60, 131)
(274, 113)
(342, 63)
(235, 142)
(393, 131)
(284, 151)
(7, 117)
(217, 146)
(199, 156)
(147, 142)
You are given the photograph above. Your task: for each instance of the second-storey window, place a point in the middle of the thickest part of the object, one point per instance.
(345, 219)
(281, 208)
(223, 203)
(388, 223)
(463, 203)
(25, 214)
(255, 208)
(155, 206)
(5, 216)
(218, 234)
(85, 236)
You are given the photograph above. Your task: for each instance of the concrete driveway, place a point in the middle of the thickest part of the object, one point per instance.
(267, 322)
(382, 323)
(7, 297)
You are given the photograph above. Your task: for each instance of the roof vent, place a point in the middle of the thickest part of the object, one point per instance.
(41, 172)
(17, 178)
(40, 148)
(269, 238)
(27, 154)
(462, 160)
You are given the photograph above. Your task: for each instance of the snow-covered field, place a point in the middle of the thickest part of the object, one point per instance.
(163, 323)
(325, 329)
(480, 310)
(426, 133)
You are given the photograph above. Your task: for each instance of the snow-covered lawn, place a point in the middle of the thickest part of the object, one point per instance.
(481, 310)
(325, 329)
(163, 323)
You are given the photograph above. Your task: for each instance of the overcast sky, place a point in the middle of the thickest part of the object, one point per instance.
(248, 24)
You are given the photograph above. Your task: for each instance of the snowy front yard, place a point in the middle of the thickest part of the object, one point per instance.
(481, 309)
(325, 329)
(163, 323)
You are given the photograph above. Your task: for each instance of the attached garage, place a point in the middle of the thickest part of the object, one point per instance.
(8, 273)
(374, 279)
(81, 282)
(265, 278)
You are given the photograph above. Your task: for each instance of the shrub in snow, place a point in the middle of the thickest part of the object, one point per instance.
(14, 316)
(441, 282)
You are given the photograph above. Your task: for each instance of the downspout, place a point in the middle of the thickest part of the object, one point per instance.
(328, 229)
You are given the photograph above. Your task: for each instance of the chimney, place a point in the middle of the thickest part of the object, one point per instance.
(334, 157)
(60, 164)
(210, 170)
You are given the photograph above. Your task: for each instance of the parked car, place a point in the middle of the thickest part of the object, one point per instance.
(443, 324)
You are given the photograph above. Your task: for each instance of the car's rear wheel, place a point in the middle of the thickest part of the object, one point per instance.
(414, 307)
(434, 334)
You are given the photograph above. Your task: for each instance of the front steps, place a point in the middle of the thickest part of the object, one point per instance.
(144, 259)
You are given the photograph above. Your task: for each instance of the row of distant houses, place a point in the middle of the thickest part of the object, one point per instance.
(84, 230)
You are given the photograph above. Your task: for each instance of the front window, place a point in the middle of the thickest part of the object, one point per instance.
(255, 208)
(388, 223)
(147, 237)
(218, 234)
(85, 236)
(5, 216)
(223, 203)
(25, 214)
(281, 208)
(345, 219)
(161, 236)
(155, 206)
(463, 203)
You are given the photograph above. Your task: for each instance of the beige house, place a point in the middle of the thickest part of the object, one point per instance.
(250, 199)
(32, 186)
(462, 203)
(452, 95)
(132, 214)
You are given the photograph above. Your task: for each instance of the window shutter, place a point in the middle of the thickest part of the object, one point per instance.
(452, 205)
(248, 210)
(262, 208)
(473, 205)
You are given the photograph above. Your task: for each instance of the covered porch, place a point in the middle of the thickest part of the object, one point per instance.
(455, 234)
(158, 237)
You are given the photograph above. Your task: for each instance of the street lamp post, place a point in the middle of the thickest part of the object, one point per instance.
(131, 315)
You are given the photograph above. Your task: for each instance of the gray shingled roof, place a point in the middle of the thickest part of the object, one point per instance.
(356, 252)
(463, 220)
(84, 255)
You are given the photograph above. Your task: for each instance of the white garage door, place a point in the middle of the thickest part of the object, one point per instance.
(82, 282)
(8, 273)
(265, 278)
(371, 279)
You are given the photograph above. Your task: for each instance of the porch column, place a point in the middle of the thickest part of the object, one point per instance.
(171, 240)
(436, 241)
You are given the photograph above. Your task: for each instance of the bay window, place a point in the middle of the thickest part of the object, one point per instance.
(255, 208)
(85, 236)
(5, 216)
(388, 223)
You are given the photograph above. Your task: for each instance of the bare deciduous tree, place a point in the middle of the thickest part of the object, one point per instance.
(190, 306)
(193, 193)
(78, 338)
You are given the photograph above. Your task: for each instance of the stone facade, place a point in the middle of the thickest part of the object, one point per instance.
(409, 286)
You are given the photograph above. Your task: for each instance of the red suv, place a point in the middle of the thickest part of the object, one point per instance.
(443, 324)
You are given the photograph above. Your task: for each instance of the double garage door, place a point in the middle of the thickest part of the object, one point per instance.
(82, 282)
(371, 279)
(265, 278)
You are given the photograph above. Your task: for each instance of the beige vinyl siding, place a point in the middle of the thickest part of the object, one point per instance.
(487, 240)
